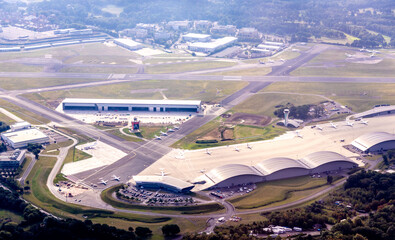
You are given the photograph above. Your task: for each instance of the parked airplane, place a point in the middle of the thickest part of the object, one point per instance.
(158, 137)
(171, 130)
(176, 128)
(104, 182)
(202, 170)
(372, 55)
(349, 55)
(237, 149)
(270, 61)
(333, 125)
(349, 123)
(298, 134)
(162, 172)
(249, 146)
(208, 152)
(91, 146)
(115, 178)
(363, 121)
(319, 127)
(163, 133)
(282, 59)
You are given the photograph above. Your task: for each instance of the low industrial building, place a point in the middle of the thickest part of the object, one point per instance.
(375, 142)
(130, 105)
(274, 169)
(12, 159)
(163, 182)
(128, 44)
(21, 134)
(210, 47)
(290, 123)
(269, 47)
(377, 111)
(196, 37)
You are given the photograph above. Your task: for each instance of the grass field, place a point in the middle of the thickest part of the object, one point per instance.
(208, 91)
(93, 53)
(149, 132)
(358, 96)
(261, 71)
(18, 67)
(155, 60)
(27, 83)
(187, 67)
(286, 55)
(279, 192)
(264, 104)
(382, 69)
(5, 214)
(23, 113)
(119, 70)
(117, 133)
(4, 118)
(349, 39)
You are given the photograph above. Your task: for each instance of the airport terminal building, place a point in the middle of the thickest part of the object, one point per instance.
(130, 105)
(164, 182)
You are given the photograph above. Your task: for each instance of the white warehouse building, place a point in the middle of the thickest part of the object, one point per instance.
(131, 105)
(196, 37)
(21, 138)
(128, 44)
(209, 47)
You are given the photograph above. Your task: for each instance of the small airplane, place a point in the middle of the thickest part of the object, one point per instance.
(319, 127)
(208, 152)
(163, 133)
(176, 128)
(372, 55)
(237, 149)
(282, 60)
(202, 170)
(363, 121)
(158, 137)
(333, 125)
(162, 172)
(261, 62)
(270, 61)
(249, 146)
(115, 178)
(171, 130)
(349, 55)
(104, 182)
(298, 134)
(349, 123)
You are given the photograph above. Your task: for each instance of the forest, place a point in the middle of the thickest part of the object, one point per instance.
(300, 19)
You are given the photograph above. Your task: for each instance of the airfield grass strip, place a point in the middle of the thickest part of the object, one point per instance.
(107, 197)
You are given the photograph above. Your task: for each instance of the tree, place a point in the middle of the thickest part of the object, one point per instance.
(143, 232)
(170, 230)
(329, 179)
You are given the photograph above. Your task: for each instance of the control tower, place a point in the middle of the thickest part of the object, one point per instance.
(286, 113)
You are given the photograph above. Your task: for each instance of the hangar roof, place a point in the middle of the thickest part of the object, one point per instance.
(163, 180)
(368, 140)
(317, 159)
(224, 172)
(132, 101)
(375, 110)
(269, 166)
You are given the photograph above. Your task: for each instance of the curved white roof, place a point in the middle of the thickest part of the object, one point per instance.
(225, 172)
(317, 159)
(368, 140)
(375, 110)
(269, 166)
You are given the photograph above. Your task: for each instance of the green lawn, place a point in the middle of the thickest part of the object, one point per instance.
(358, 96)
(19, 67)
(261, 71)
(23, 113)
(382, 69)
(187, 67)
(119, 70)
(5, 214)
(93, 53)
(286, 55)
(149, 132)
(209, 91)
(264, 104)
(4, 118)
(117, 133)
(27, 83)
(279, 192)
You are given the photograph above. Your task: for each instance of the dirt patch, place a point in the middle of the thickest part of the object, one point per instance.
(214, 134)
(248, 119)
